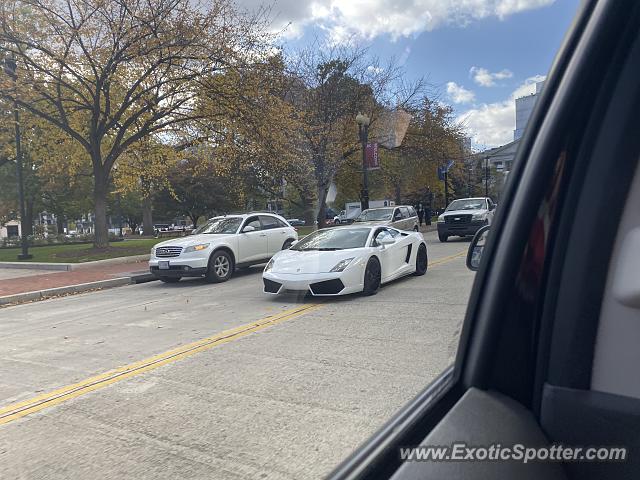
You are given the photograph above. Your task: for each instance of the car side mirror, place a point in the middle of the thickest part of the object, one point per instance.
(249, 228)
(492, 206)
(476, 248)
(387, 240)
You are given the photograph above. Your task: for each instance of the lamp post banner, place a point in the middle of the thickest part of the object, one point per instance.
(373, 160)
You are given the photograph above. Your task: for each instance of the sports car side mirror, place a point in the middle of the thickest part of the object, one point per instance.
(476, 247)
(249, 228)
(388, 240)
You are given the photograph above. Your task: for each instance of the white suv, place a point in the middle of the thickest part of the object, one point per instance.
(221, 245)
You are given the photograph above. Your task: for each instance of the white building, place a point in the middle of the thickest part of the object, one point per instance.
(10, 229)
(524, 107)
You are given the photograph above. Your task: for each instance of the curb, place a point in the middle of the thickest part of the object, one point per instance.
(109, 261)
(58, 267)
(72, 289)
(67, 267)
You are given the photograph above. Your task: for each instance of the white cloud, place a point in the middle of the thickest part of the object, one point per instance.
(459, 94)
(492, 124)
(398, 18)
(485, 78)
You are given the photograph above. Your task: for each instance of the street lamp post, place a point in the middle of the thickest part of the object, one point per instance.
(10, 70)
(486, 177)
(363, 131)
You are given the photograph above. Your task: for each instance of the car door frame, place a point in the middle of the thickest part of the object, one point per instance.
(255, 237)
(484, 359)
(396, 223)
(275, 236)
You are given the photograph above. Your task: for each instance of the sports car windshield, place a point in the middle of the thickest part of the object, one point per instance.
(220, 225)
(471, 204)
(375, 215)
(334, 239)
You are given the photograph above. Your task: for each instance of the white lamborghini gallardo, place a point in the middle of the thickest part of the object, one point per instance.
(342, 260)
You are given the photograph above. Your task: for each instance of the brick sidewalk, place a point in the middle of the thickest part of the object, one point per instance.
(45, 281)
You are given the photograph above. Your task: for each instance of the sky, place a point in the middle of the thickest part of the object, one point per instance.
(478, 55)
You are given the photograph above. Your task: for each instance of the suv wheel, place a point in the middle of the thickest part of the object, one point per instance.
(442, 237)
(220, 267)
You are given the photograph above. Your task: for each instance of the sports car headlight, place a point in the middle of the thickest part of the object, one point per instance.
(441, 219)
(196, 248)
(479, 216)
(342, 264)
(269, 265)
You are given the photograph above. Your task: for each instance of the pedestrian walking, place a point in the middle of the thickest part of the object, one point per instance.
(420, 214)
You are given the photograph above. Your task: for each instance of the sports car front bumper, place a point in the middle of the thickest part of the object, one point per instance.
(318, 284)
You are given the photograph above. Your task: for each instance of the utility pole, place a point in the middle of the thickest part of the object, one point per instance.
(446, 188)
(486, 177)
(363, 131)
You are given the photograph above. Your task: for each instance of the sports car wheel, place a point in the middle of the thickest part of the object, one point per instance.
(421, 260)
(416, 229)
(372, 277)
(220, 267)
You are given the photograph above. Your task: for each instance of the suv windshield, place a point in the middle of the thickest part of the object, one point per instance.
(220, 225)
(334, 239)
(469, 204)
(375, 215)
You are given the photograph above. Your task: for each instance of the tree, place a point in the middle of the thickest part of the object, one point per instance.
(196, 190)
(111, 72)
(335, 83)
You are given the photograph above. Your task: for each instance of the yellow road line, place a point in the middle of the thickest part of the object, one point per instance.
(46, 400)
(447, 259)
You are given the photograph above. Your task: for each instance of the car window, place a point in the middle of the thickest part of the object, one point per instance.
(405, 212)
(397, 214)
(334, 239)
(412, 212)
(269, 222)
(253, 222)
(376, 214)
(220, 225)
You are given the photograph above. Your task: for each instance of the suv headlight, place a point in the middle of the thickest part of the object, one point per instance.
(269, 265)
(196, 248)
(342, 264)
(153, 251)
(479, 216)
(441, 219)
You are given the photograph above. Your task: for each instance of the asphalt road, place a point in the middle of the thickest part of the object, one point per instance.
(199, 381)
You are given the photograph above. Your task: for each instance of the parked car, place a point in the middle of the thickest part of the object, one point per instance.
(402, 217)
(296, 222)
(464, 217)
(348, 259)
(221, 245)
(161, 228)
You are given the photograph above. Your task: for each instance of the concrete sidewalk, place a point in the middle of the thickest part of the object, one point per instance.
(21, 288)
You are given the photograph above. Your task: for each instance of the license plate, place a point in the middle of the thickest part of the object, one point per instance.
(163, 265)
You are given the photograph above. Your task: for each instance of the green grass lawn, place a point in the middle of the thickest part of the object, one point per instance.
(77, 253)
(302, 231)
